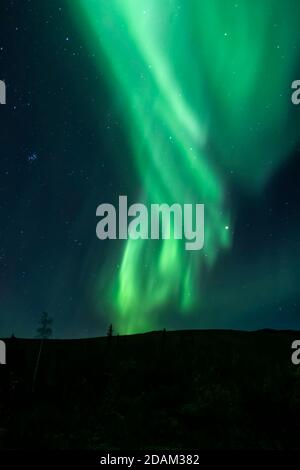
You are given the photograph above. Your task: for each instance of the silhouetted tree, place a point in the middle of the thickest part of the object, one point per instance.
(44, 331)
(110, 331)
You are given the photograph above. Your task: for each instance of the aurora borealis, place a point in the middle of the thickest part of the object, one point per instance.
(168, 101)
(178, 91)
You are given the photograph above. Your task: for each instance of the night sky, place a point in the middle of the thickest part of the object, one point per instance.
(163, 101)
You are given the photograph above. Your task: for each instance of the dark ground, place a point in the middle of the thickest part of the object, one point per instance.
(171, 391)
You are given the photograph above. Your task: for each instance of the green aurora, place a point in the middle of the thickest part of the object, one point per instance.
(204, 91)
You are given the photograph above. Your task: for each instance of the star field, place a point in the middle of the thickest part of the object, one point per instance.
(144, 99)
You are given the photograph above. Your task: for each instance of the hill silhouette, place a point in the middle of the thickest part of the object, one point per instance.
(212, 389)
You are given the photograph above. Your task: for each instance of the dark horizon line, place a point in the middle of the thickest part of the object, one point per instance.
(151, 332)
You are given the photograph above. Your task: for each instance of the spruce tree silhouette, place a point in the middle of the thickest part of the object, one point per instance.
(44, 331)
(110, 331)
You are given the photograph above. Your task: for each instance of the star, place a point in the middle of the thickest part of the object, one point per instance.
(32, 157)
